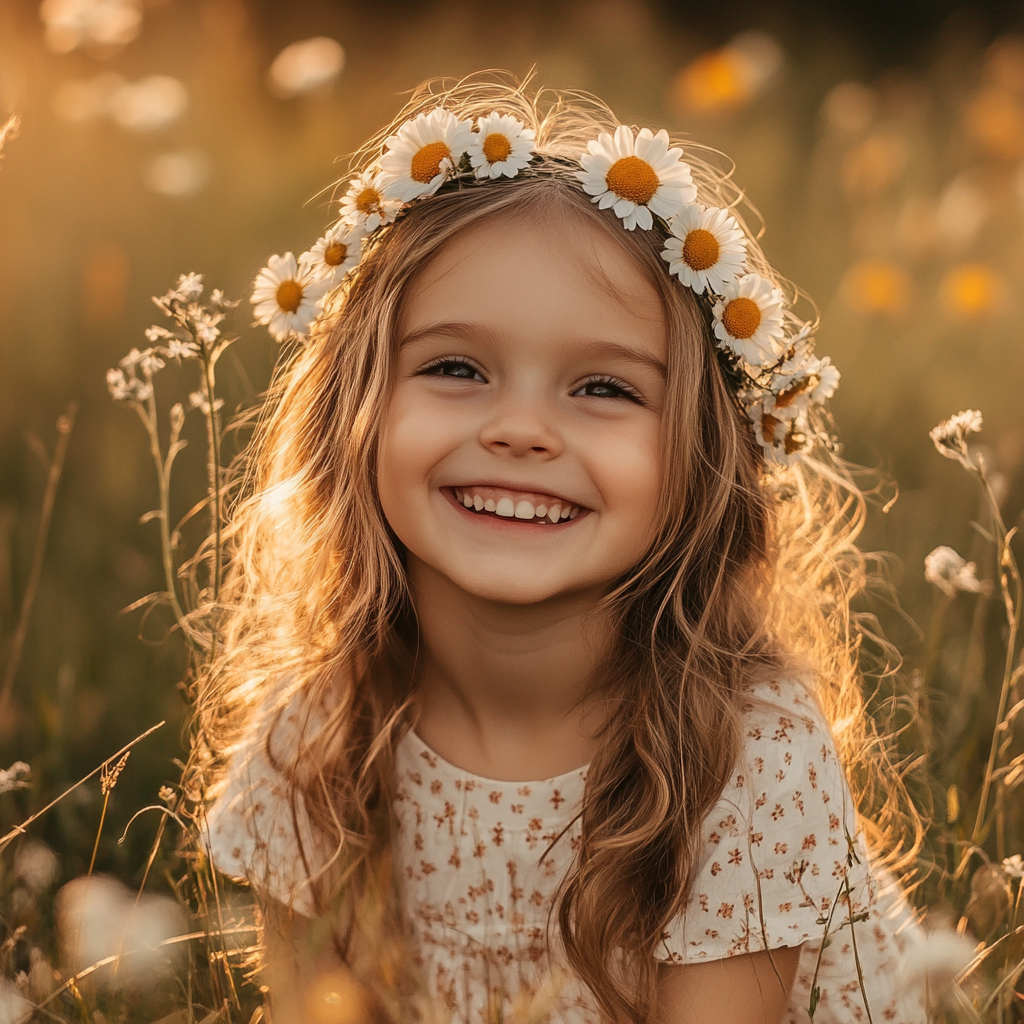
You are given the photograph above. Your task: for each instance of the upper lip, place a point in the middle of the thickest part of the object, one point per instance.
(522, 488)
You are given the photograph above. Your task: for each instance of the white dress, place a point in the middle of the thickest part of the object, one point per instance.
(478, 871)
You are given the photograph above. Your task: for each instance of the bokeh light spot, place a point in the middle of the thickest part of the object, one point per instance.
(971, 289)
(876, 286)
(305, 66)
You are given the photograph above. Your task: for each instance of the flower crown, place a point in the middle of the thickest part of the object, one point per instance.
(766, 353)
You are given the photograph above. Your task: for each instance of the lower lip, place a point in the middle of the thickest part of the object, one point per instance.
(511, 523)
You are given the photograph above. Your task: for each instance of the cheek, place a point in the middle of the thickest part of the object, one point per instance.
(414, 440)
(628, 471)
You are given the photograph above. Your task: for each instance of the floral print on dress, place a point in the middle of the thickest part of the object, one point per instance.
(479, 862)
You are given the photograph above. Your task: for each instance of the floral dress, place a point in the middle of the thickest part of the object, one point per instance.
(479, 861)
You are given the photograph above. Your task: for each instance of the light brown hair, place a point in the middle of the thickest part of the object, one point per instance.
(747, 576)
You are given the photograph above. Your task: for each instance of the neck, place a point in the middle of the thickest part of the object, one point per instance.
(503, 690)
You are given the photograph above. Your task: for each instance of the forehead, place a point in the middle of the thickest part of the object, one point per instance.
(554, 276)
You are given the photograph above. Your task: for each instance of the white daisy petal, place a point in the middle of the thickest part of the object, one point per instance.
(637, 177)
(501, 145)
(287, 297)
(705, 248)
(748, 320)
(424, 153)
(335, 254)
(364, 204)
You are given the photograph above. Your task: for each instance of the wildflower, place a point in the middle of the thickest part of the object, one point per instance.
(198, 400)
(636, 177)
(501, 145)
(364, 204)
(950, 436)
(178, 349)
(335, 254)
(782, 439)
(36, 865)
(14, 777)
(205, 324)
(748, 320)
(424, 153)
(168, 796)
(706, 248)
(1014, 866)
(950, 573)
(188, 290)
(287, 297)
(147, 361)
(218, 301)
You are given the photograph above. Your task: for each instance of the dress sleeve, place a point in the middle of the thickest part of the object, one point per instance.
(779, 847)
(256, 832)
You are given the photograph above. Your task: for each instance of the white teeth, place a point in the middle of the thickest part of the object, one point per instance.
(524, 510)
(489, 505)
(478, 502)
(505, 508)
(541, 511)
(574, 513)
(566, 513)
(554, 512)
(467, 501)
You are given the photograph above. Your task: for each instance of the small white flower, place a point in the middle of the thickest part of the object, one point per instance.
(501, 145)
(156, 333)
(1014, 866)
(950, 573)
(218, 300)
(364, 204)
(636, 177)
(782, 439)
(748, 320)
(205, 324)
(187, 290)
(950, 436)
(179, 349)
(287, 297)
(126, 387)
(14, 777)
(335, 254)
(426, 151)
(705, 249)
(197, 399)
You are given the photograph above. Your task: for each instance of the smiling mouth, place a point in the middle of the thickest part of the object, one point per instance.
(524, 506)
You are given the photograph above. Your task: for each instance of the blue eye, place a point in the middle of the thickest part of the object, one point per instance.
(608, 387)
(451, 366)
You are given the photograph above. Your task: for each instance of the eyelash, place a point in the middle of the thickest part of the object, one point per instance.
(625, 390)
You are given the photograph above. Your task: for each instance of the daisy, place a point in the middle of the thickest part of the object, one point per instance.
(501, 144)
(287, 297)
(706, 248)
(799, 385)
(424, 153)
(335, 254)
(748, 320)
(636, 177)
(782, 440)
(364, 204)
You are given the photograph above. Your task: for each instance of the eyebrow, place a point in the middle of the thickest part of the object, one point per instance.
(468, 331)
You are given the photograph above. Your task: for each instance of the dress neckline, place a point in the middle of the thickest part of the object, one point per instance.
(413, 738)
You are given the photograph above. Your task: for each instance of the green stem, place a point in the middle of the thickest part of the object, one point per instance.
(1008, 575)
(213, 466)
(149, 420)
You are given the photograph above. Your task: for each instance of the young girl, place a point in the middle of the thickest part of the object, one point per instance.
(537, 695)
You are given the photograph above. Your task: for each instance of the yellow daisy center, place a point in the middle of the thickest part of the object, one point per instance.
(335, 253)
(794, 441)
(633, 179)
(497, 147)
(289, 295)
(742, 317)
(701, 249)
(368, 200)
(426, 162)
(768, 426)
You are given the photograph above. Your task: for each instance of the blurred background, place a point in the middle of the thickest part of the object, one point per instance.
(882, 142)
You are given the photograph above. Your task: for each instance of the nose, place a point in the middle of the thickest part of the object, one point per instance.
(520, 429)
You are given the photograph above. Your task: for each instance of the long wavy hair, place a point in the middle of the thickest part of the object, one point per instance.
(748, 574)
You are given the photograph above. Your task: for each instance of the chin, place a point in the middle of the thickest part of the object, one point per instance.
(518, 587)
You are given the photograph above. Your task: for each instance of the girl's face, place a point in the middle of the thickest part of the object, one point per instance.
(521, 451)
